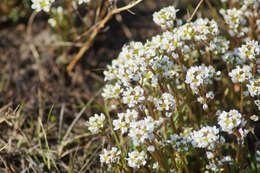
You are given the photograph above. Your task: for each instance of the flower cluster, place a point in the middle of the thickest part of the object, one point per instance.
(228, 121)
(234, 18)
(237, 19)
(124, 120)
(158, 88)
(112, 91)
(133, 96)
(254, 87)
(200, 75)
(250, 50)
(59, 16)
(44, 5)
(96, 122)
(110, 156)
(180, 142)
(165, 17)
(143, 130)
(241, 74)
(83, 1)
(166, 102)
(136, 159)
(206, 137)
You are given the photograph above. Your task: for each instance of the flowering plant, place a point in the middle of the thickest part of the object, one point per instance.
(186, 100)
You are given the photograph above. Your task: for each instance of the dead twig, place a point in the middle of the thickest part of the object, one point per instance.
(93, 35)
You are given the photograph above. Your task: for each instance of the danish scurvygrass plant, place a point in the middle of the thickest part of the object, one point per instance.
(186, 100)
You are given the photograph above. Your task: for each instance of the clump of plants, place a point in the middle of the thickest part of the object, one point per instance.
(188, 99)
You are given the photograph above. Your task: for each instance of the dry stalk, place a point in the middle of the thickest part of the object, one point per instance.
(96, 30)
(195, 11)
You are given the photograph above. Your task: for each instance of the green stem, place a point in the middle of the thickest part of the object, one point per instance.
(241, 98)
(115, 137)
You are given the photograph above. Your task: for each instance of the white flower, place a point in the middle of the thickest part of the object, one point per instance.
(155, 165)
(200, 100)
(110, 156)
(210, 155)
(165, 17)
(83, 1)
(136, 159)
(218, 45)
(167, 102)
(210, 95)
(257, 103)
(198, 30)
(205, 107)
(151, 148)
(239, 75)
(112, 91)
(133, 96)
(243, 133)
(95, 123)
(254, 87)
(124, 120)
(131, 115)
(213, 167)
(44, 5)
(226, 159)
(199, 75)
(229, 120)
(143, 130)
(234, 18)
(250, 50)
(254, 118)
(120, 124)
(206, 137)
(52, 22)
(233, 57)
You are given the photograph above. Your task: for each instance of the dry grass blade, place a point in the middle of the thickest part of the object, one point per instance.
(3, 147)
(194, 12)
(61, 120)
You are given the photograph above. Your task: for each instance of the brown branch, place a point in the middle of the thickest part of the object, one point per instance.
(99, 26)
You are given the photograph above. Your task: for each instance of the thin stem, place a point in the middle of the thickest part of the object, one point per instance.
(115, 136)
(254, 68)
(185, 166)
(241, 98)
(182, 70)
(194, 12)
(158, 157)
